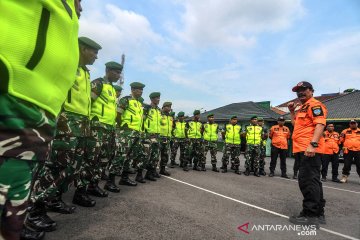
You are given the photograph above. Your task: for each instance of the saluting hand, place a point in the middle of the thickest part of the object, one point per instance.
(292, 106)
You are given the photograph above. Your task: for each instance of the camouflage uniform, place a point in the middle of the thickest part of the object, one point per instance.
(22, 126)
(179, 139)
(178, 142)
(164, 138)
(195, 151)
(252, 156)
(233, 151)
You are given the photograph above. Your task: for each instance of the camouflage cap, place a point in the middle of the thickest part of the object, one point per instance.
(137, 85)
(181, 114)
(89, 43)
(196, 112)
(118, 88)
(114, 65)
(167, 104)
(154, 95)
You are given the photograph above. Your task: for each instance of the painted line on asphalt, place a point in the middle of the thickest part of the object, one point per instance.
(257, 207)
(324, 186)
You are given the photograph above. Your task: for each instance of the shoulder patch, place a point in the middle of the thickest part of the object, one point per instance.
(317, 111)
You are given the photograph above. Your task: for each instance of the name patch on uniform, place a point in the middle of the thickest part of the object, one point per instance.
(317, 111)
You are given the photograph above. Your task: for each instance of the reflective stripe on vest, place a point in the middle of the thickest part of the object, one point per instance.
(194, 130)
(104, 107)
(152, 121)
(253, 134)
(232, 135)
(38, 56)
(166, 124)
(79, 98)
(210, 132)
(133, 115)
(179, 131)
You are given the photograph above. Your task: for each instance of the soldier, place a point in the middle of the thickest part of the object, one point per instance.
(232, 139)
(32, 91)
(152, 128)
(254, 135)
(262, 147)
(210, 135)
(331, 153)
(350, 138)
(179, 137)
(172, 163)
(166, 125)
(131, 109)
(279, 135)
(194, 149)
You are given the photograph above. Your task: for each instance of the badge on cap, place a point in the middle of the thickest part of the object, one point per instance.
(300, 84)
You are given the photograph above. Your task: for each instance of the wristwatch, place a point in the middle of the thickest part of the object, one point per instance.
(314, 144)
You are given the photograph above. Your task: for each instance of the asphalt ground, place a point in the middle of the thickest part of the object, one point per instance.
(210, 205)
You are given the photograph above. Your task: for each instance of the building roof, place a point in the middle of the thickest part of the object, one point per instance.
(322, 98)
(278, 111)
(243, 111)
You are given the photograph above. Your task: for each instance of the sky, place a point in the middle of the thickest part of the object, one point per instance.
(204, 54)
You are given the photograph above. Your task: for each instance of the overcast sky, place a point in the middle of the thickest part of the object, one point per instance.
(203, 54)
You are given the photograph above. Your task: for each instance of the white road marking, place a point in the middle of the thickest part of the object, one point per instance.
(257, 207)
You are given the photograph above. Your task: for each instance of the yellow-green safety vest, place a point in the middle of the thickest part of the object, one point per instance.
(39, 51)
(79, 96)
(166, 125)
(104, 107)
(194, 130)
(232, 135)
(210, 132)
(133, 115)
(152, 121)
(179, 131)
(253, 134)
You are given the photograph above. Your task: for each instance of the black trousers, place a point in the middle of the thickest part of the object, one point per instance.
(310, 185)
(296, 166)
(275, 152)
(326, 159)
(348, 157)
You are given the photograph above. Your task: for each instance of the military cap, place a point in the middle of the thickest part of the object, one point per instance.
(172, 113)
(167, 104)
(154, 95)
(232, 117)
(260, 119)
(89, 43)
(253, 117)
(281, 118)
(118, 88)
(181, 114)
(114, 65)
(137, 85)
(210, 115)
(302, 85)
(196, 112)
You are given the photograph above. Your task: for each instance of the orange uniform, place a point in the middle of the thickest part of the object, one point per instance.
(310, 114)
(279, 136)
(331, 142)
(351, 139)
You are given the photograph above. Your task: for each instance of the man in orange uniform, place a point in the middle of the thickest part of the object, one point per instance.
(279, 135)
(308, 146)
(350, 137)
(331, 153)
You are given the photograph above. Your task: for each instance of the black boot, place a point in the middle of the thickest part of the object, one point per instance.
(295, 176)
(125, 180)
(237, 170)
(163, 171)
(149, 175)
(38, 220)
(214, 168)
(81, 198)
(203, 168)
(59, 206)
(284, 175)
(185, 167)
(173, 164)
(232, 166)
(262, 172)
(224, 168)
(155, 173)
(29, 234)
(96, 191)
(247, 172)
(139, 177)
(271, 174)
(104, 176)
(110, 184)
(256, 172)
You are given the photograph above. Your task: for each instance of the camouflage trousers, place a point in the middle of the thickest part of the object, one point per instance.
(231, 151)
(178, 142)
(107, 149)
(262, 156)
(67, 154)
(212, 147)
(116, 163)
(154, 151)
(25, 134)
(252, 156)
(195, 152)
(164, 150)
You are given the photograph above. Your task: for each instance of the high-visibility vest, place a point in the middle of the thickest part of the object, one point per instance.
(179, 131)
(232, 135)
(104, 107)
(253, 134)
(194, 130)
(39, 51)
(133, 115)
(152, 121)
(210, 132)
(79, 98)
(166, 125)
